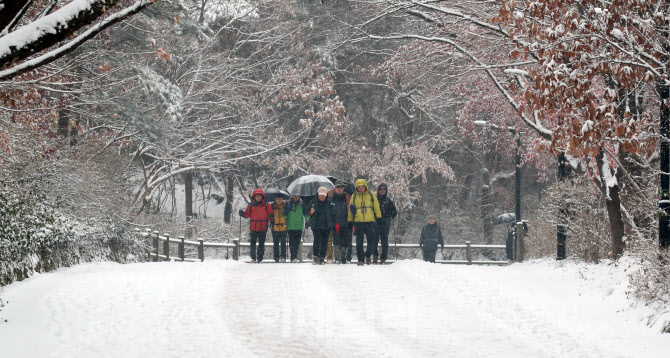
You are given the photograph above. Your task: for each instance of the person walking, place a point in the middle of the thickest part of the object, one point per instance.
(364, 212)
(389, 212)
(431, 236)
(294, 213)
(322, 222)
(342, 233)
(278, 230)
(259, 212)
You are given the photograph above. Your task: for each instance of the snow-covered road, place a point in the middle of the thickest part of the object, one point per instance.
(408, 309)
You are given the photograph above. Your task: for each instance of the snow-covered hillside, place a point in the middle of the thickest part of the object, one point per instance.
(408, 309)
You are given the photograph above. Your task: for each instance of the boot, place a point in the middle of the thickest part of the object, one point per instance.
(367, 260)
(277, 259)
(374, 260)
(361, 263)
(316, 260)
(382, 262)
(322, 261)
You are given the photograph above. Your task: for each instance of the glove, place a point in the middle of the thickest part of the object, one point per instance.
(353, 228)
(311, 211)
(241, 212)
(337, 228)
(352, 208)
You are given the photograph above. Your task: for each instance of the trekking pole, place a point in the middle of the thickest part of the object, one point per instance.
(240, 237)
(395, 240)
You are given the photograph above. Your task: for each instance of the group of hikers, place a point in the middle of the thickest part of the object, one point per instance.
(337, 213)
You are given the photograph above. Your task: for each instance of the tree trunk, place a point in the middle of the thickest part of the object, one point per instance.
(664, 200)
(613, 205)
(487, 208)
(188, 199)
(228, 209)
(562, 220)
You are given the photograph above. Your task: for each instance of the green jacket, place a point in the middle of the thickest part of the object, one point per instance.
(294, 213)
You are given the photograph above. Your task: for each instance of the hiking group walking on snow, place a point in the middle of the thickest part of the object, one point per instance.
(333, 215)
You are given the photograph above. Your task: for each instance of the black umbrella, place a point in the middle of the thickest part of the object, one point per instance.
(271, 194)
(308, 185)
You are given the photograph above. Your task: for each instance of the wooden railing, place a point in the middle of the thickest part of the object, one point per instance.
(160, 248)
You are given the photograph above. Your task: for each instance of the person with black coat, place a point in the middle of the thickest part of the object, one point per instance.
(431, 236)
(389, 212)
(342, 235)
(322, 221)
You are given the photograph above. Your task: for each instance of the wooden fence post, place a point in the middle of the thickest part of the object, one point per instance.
(300, 250)
(156, 245)
(468, 252)
(166, 246)
(201, 250)
(236, 249)
(519, 242)
(180, 249)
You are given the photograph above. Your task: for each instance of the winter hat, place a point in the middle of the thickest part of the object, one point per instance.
(323, 191)
(383, 186)
(340, 183)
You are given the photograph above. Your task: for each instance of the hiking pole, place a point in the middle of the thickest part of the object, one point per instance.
(239, 238)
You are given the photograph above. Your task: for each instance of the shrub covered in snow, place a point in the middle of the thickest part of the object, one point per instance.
(36, 237)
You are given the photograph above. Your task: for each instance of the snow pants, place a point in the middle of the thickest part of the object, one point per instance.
(279, 239)
(257, 236)
(429, 255)
(381, 234)
(294, 237)
(364, 230)
(320, 242)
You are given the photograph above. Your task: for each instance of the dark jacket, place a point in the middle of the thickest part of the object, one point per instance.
(341, 207)
(322, 210)
(431, 235)
(388, 210)
(259, 213)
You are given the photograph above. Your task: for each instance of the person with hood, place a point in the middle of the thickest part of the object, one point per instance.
(364, 212)
(278, 230)
(294, 214)
(431, 236)
(259, 213)
(389, 212)
(321, 221)
(342, 233)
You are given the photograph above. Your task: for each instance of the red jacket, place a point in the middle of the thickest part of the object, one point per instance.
(259, 213)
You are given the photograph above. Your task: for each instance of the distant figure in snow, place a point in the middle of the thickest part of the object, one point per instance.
(259, 211)
(389, 212)
(431, 235)
(294, 213)
(278, 230)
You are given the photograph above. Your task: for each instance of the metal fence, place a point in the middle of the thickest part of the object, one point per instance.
(162, 248)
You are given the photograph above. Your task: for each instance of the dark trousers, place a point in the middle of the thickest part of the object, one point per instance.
(279, 239)
(320, 242)
(381, 234)
(342, 241)
(257, 236)
(429, 255)
(294, 237)
(364, 230)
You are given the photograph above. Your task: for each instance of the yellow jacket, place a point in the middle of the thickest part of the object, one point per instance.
(278, 221)
(367, 205)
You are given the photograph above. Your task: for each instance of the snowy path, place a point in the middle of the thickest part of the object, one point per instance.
(224, 308)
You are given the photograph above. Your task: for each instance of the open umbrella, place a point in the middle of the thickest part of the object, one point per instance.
(271, 194)
(504, 218)
(308, 185)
